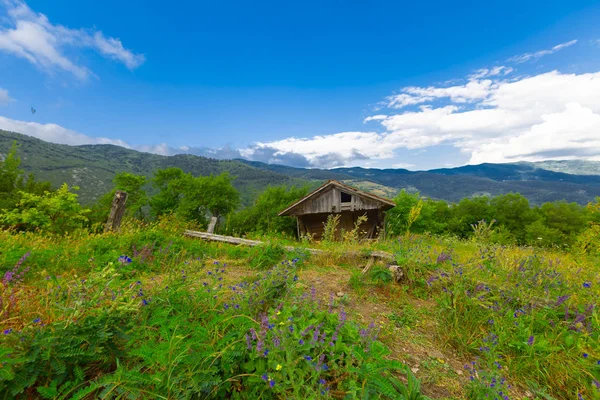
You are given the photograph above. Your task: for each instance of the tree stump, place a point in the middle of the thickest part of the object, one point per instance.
(116, 211)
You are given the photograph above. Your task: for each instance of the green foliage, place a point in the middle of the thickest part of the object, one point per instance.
(262, 217)
(521, 316)
(137, 199)
(54, 212)
(206, 194)
(427, 215)
(589, 240)
(266, 256)
(94, 167)
(512, 211)
(482, 231)
(468, 212)
(330, 228)
(407, 317)
(381, 275)
(13, 181)
(353, 236)
(166, 200)
(186, 334)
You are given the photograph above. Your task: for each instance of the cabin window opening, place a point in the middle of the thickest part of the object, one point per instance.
(346, 198)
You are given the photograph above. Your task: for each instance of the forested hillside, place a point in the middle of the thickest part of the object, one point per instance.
(93, 167)
(97, 165)
(453, 184)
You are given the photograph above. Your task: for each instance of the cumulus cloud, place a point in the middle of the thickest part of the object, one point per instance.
(491, 119)
(325, 151)
(4, 97)
(534, 56)
(30, 35)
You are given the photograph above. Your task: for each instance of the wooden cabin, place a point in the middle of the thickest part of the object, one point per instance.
(334, 197)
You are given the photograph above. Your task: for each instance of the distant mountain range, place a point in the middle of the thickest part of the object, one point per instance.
(92, 167)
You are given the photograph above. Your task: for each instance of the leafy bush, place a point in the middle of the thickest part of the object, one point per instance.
(55, 212)
(262, 217)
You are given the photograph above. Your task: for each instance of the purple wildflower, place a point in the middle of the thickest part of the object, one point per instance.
(562, 299)
(530, 340)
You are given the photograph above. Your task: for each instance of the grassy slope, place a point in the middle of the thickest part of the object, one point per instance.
(416, 319)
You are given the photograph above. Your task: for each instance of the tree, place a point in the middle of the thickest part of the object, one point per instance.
(167, 198)
(469, 212)
(512, 211)
(398, 217)
(204, 195)
(567, 219)
(539, 234)
(432, 217)
(10, 173)
(56, 212)
(13, 181)
(589, 240)
(136, 197)
(263, 216)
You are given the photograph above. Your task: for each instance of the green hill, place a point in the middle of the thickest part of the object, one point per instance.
(92, 167)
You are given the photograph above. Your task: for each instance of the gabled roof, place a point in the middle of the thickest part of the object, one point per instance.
(348, 189)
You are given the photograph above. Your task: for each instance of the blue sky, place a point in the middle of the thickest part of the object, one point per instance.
(317, 84)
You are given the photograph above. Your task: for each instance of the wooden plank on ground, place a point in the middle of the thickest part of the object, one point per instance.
(247, 242)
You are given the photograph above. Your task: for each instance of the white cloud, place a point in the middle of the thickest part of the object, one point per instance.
(113, 48)
(30, 35)
(4, 97)
(402, 100)
(546, 116)
(534, 56)
(489, 72)
(375, 118)
(568, 134)
(327, 150)
(54, 133)
(472, 91)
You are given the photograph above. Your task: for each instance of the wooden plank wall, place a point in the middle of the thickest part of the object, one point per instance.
(330, 201)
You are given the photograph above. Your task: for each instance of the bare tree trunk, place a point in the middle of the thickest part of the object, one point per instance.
(116, 211)
(212, 225)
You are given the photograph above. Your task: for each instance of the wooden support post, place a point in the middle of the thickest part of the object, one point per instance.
(116, 211)
(212, 224)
